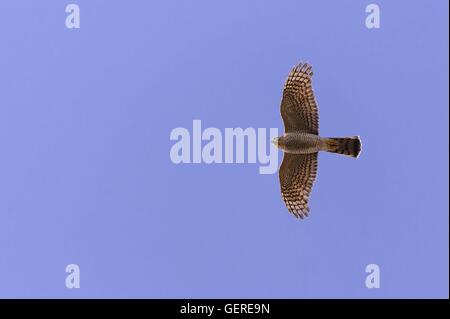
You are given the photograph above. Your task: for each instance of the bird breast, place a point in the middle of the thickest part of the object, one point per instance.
(301, 143)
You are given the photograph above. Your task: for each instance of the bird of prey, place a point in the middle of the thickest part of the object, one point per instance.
(301, 141)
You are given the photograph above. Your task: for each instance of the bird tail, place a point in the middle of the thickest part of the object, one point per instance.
(350, 146)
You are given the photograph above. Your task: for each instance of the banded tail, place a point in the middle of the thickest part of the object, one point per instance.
(350, 146)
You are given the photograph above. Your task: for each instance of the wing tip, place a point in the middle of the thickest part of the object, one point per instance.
(303, 65)
(299, 213)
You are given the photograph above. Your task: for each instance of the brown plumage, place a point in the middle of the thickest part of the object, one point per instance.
(301, 141)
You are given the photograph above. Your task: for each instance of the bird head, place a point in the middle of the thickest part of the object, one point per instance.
(275, 141)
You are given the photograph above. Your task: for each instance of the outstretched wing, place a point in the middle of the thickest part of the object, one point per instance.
(297, 175)
(298, 105)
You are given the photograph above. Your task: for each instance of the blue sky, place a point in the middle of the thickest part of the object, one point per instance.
(86, 176)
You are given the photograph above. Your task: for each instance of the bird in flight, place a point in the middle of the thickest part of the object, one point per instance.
(301, 141)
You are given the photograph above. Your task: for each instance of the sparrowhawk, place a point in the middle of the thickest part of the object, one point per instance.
(301, 141)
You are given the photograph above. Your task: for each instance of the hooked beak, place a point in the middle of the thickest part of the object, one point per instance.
(275, 141)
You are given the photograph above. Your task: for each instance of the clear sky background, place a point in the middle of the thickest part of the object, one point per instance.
(86, 177)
